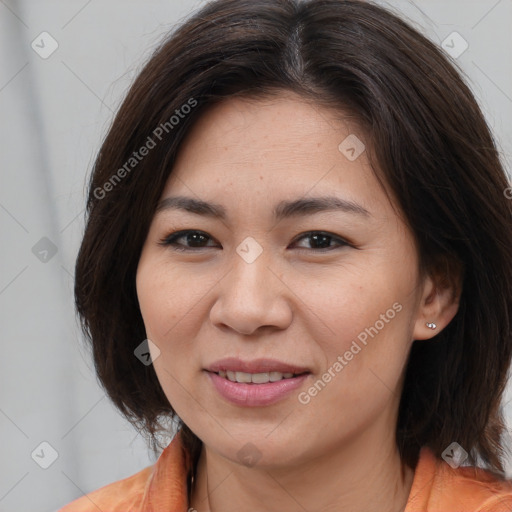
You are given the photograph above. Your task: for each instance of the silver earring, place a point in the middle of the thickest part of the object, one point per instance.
(431, 325)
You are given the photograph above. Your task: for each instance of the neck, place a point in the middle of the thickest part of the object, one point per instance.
(365, 475)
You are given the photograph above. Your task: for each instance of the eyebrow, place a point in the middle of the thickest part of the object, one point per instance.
(284, 209)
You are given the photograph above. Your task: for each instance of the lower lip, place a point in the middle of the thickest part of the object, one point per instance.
(254, 395)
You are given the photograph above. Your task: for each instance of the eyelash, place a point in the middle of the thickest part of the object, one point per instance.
(170, 240)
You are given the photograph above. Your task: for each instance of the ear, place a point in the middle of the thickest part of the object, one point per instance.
(440, 300)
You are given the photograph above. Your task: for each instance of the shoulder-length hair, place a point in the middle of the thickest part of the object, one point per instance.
(432, 149)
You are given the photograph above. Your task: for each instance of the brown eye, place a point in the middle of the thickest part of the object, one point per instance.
(193, 240)
(321, 241)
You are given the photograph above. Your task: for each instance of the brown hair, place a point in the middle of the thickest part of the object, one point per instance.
(433, 150)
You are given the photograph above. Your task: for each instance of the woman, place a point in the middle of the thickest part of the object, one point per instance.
(298, 247)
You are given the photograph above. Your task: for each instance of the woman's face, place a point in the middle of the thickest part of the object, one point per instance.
(342, 305)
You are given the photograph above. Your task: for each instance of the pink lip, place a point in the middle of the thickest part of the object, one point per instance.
(254, 395)
(256, 366)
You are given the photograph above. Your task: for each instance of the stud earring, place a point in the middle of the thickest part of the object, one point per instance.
(431, 325)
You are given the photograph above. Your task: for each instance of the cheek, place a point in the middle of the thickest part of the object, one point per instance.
(370, 319)
(355, 301)
(366, 336)
(166, 305)
(164, 298)
(363, 368)
(173, 304)
(151, 298)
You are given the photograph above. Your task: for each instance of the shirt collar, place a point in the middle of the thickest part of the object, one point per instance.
(166, 488)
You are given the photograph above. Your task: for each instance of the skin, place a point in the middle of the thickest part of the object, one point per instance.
(294, 302)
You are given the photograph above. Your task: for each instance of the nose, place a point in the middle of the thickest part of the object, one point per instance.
(252, 296)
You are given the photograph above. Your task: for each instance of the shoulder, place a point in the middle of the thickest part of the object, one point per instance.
(437, 487)
(162, 486)
(119, 496)
(477, 488)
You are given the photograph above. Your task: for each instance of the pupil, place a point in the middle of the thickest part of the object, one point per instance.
(317, 237)
(194, 238)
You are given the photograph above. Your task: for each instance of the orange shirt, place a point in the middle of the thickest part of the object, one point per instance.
(436, 487)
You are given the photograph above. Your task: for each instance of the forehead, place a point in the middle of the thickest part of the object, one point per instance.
(246, 149)
(285, 123)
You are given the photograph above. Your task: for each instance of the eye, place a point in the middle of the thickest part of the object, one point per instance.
(195, 240)
(322, 239)
(193, 237)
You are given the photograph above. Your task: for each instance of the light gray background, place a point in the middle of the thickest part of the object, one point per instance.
(54, 113)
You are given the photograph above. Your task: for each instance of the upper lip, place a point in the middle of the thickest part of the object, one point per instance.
(255, 366)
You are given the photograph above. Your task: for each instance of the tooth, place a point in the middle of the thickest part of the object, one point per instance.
(243, 377)
(255, 378)
(260, 378)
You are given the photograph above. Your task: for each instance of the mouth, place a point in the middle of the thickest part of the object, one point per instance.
(257, 378)
(257, 371)
(256, 383)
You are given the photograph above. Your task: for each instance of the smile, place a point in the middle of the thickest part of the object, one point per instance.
(255, 378)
